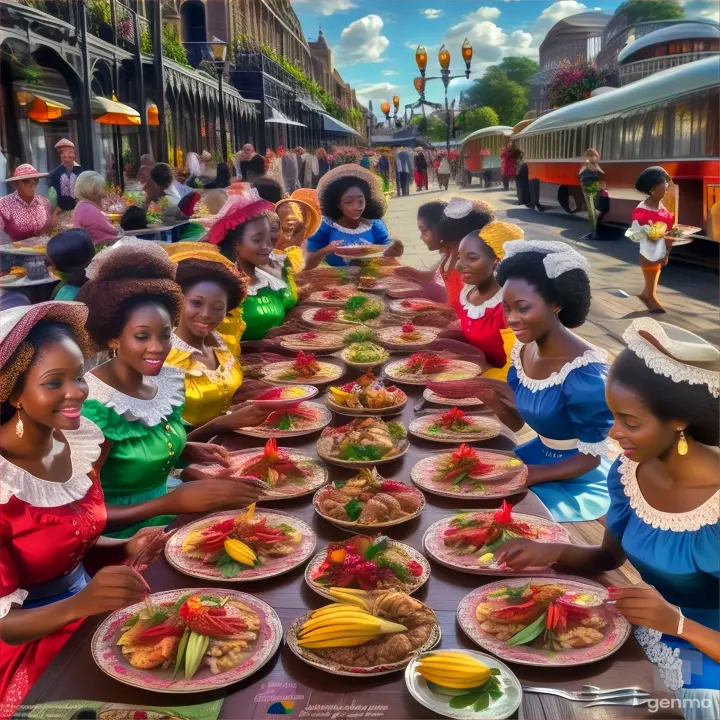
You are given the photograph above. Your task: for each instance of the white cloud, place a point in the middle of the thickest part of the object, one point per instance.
(486, 37)
(556, 12)
(520, 44)
(388, 73)
(327, 7)
(361, 41)
(702, 9)
(432, 13)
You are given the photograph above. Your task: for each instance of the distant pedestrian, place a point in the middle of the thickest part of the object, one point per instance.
(222, 178)
(402, 172)
(508, 163)
(63, 177)
(289, 169)
(421, 171)
(323, 165)
(242, 160)
(443, 171)
(383, 170)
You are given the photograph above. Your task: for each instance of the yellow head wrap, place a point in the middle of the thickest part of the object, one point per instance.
(496, 233)
(197, 251)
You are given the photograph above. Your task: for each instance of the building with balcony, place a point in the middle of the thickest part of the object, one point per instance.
(667, 47)
(577, 38)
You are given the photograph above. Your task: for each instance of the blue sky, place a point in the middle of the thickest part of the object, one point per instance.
(374, 41)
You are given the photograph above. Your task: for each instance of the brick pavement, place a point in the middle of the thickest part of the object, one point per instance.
(688, 292)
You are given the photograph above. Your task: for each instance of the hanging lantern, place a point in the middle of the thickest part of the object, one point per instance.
(396, 102)
(419, 84)
(467, 51)
(385, 107)
(421, 58)
(444, 58)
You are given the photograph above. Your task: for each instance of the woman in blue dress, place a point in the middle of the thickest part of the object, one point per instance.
(352, 205)
(664, 515)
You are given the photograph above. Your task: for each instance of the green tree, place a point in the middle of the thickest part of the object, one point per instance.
(474, 119)
(647, 10)
(435, 129)
(507, 97)
(519, 69)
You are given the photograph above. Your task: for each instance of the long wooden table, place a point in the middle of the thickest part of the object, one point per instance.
(74, 675)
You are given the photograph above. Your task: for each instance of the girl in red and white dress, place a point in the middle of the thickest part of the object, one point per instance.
(51, 504)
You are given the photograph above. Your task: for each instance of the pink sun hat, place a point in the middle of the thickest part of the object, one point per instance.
(26, 172)
(64, 143)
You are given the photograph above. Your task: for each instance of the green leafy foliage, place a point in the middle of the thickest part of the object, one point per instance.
(354, 509)
(228, 567)
(360, 453)
(479, 699)
(172, 47)
(647, 10)
(478, 118)
(431, 127)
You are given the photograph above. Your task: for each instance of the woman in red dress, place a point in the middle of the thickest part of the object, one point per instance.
(508, 163)
(51, 503)
(654, 249)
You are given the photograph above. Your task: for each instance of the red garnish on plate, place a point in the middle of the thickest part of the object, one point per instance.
(272, 459)
(213, 622)
(306, 364)
(390, 486)
(464, 462)
(452, 418)
(333, 294)
(275, 393)
(408, 328)
(426, 363)
(309, 336)
(325, 315)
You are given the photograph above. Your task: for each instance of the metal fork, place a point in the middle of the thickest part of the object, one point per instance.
(630, 702)
(587, 695)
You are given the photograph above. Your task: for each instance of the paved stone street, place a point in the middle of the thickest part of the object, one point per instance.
(688, 292)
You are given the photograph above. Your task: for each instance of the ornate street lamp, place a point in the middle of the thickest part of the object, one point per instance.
(218, 48)
(444, 59)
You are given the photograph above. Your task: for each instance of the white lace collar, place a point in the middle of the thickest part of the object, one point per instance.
(170, 383)
(593, 355)
(706, 514)
(475, 312)
(364, 226)
(84, 445)
(200, 369)
(265, 280)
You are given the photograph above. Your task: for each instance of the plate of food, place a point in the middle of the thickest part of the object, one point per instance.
(470, 473)
(326, 318)
(242, 546)
(463, 684)
(279, 397)
(469, 540)
(364, 355)
(11, 276)
(364, 633)
(333, 297)
(423, 366)
(363, 442)
(317, 342)
(366, 396)
(406, 336)
(414, 306)
(187, 641)
(31, 246)
(286, 472)
(368, 502)
(455, 426)
(556, 621)
(360, 251)
(305, 369)
(292, 421)
(432, 397)
(682, 234)
(365, 562)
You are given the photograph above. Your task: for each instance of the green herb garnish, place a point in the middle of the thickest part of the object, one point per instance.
(228, 567)
(354, 509)
(360, 453)
(397, 431)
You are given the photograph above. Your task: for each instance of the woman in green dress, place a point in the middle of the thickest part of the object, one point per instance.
(137, 401)
(243, 236)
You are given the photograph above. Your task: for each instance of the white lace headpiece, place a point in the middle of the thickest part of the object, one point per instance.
(559, 257)
(682, 348)
(458, 208)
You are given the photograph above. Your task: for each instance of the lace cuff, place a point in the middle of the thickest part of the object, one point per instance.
(667, 659)
(599, 448)
(17, 597)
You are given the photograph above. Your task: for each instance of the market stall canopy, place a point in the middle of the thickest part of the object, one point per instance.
(332, 125)
(280, 118)
(112, 112)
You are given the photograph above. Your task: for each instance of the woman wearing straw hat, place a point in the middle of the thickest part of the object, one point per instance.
(299, 220)
(24, 213)
(63, 177)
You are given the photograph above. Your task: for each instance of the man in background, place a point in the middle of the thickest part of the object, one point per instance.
(63, 177)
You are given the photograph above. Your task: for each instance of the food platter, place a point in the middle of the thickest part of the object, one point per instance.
(321, 343)
(432, 397)
(360, 251)
(505, 475)
(110, 659)
(614, 633)
(457, 557)
(270, 567)
(279, 397)
(451, 370)
(298, 425)
(397, 339)
(333, 297)
(333, 502)
(468, 428)
(365, 391)
(378, 354)
(410, 558)
(347, 446)
(415, 306)
(338, 323)
(286, 372)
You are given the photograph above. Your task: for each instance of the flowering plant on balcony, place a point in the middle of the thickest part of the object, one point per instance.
(347, 154)
(572, 82)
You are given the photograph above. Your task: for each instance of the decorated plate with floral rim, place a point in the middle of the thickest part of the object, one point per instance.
(292, 421)
(432, 397)
(304, 370)
(421, 367)
(110, 659)
(468, 540)
(333, 297)
(406, 337)
(329, 446)
(415, 568)
(470, 473)
(323, 660)
(327, 318)
(192, 549)
(317, 342)
(414, 306)
(279, 397)
(586, 598)
(455, 426)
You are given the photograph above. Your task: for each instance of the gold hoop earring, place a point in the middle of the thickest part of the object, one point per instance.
(19, 427)
(682, 446)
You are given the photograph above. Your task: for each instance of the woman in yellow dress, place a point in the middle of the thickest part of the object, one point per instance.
(299, 220)
(212, 286)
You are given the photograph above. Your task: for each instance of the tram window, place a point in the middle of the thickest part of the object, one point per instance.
(683, 130)
(712, 131)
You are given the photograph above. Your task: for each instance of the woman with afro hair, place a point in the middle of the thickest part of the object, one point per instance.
(556, 381)
(647, 221)
(242, 235)
(352, 205)
(137, 401)
(212, 286)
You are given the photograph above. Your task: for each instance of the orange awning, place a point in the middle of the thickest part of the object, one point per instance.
(111, 112)
(43, 109)
(153, 116)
